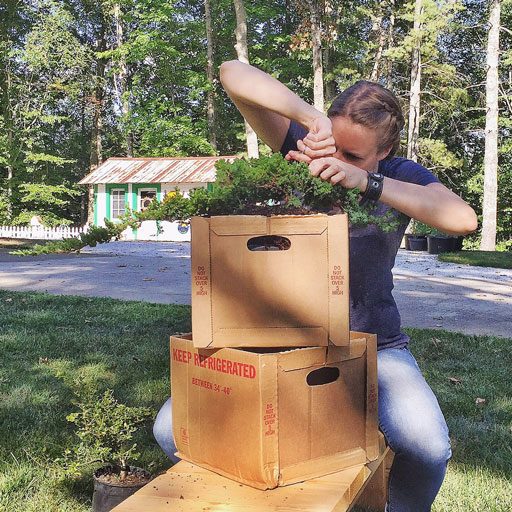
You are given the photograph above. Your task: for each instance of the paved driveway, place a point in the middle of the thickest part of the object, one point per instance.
(429, 293)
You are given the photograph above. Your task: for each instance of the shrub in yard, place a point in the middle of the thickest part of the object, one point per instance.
(95, 235)
(105, 429)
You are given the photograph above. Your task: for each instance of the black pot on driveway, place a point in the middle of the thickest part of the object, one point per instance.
(416, 242)
(437, 244)
(108, 493)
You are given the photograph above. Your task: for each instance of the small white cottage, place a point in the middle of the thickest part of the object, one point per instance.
(135, 182)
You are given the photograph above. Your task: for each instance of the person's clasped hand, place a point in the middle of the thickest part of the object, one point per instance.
(319, 142)
(317, 150)
(337, 172)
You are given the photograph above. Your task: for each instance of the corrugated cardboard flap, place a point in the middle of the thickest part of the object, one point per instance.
(270, 337)
(301, 358)
(321, 466)
(356, 349)
(317, 356)
(233, 225)
(239, 225)
(253, 483)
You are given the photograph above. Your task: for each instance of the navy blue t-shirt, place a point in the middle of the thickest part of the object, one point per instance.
(372, 256)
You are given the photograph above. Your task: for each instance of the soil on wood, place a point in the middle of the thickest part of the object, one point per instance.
(111, 476)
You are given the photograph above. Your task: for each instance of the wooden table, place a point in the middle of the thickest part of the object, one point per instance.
(189, 488)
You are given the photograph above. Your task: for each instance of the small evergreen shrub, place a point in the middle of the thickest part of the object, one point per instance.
(105, 429)
(95, 235)
(266, 186)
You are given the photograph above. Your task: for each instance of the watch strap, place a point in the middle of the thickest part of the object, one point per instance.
(374, 188)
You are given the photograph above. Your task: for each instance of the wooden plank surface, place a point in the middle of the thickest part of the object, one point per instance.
(373, 495)
(189, 488)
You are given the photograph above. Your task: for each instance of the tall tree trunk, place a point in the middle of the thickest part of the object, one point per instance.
(489, 211)
(6, 100)
(380, 33)
(97, 119)
(390, 42)
(8, 124)
(415, 87)
(331, 21)
(120, 80)
(316, 38)
(210, 95)
(243, 56)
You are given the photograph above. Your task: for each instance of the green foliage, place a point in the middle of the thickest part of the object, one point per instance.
(95, 235)
(61, 66)
(419, 228)
(437, 156)
(105, 429)
(265, 186)
(4, 208)
(48, 219)
(41, 194)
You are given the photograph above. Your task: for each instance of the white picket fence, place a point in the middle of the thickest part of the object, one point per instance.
(41, 232)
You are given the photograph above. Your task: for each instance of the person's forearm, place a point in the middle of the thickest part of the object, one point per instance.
(434, 205)
(247, 84)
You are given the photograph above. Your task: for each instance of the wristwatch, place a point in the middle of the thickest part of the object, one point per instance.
(374, 188)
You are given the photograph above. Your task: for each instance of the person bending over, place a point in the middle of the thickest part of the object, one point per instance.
(354, 146)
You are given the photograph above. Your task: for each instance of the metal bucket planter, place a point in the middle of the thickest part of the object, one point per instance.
(416, 242)
(107, 494)
(439, 244)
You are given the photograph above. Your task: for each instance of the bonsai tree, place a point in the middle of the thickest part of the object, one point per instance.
(266, 186)
(105, 429)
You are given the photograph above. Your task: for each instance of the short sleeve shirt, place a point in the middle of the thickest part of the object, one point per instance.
(372, 256)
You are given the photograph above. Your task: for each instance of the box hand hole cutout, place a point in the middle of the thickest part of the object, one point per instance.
(322, 376)
(268, 243)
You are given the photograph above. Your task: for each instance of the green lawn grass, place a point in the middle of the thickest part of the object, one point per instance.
(479, 258)
(127, 344)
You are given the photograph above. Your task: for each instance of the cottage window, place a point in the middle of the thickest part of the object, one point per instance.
(118, 203)
(145, 198)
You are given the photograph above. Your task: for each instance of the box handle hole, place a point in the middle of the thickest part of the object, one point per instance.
(269, 243)
(324, 375)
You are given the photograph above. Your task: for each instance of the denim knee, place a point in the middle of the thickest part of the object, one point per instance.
(162, 431)
(427, 449)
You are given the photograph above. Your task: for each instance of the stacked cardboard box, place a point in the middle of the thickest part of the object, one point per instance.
(283, 392)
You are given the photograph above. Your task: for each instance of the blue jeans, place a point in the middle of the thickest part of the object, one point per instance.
(415, 429)
(409, 417)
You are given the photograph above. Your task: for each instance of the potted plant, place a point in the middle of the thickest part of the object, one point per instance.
(438, 242)
(417, 239)
(266, 186)
(105, 428)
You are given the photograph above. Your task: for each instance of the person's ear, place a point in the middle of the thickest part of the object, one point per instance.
(384, 153)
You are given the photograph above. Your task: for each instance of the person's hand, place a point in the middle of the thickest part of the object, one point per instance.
(338, 172)
(319, 142)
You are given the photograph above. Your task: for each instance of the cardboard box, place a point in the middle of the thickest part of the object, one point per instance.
(294, 293)
(268, 418)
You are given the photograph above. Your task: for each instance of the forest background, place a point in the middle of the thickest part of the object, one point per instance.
(85, 80)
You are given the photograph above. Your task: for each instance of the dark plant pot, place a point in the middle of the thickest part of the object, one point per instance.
(457, 243)
(107, 495)
(439, 244)
(416, 242)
